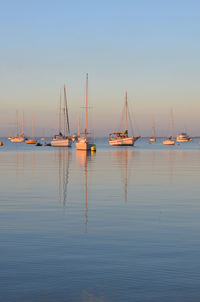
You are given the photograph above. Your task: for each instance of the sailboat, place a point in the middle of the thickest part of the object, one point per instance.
(32, 141)
(84, 142)
(121, 138)
(170, 141)
(61, 140)
(18, 138)
(153, 138)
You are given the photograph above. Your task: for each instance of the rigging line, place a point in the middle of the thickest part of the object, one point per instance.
(122, 119)
(66, 110)
(131, 124)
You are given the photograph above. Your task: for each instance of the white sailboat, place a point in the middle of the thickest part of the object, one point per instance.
(121, 138)
(18, 138)
(84, 142)
(61, 140)
(170, 141)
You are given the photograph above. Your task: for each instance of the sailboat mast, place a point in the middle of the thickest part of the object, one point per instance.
(66, 109)
(23, 123)
(86, 108)
(60, 113)
(17, 122)
(78, 128)
(126, 111)
(172, 123)
(33, 122)
(64, 114)
(153, 128)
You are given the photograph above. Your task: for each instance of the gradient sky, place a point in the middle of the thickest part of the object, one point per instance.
(149, 48)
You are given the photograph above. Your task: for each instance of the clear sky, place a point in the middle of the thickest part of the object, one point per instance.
(150, 48)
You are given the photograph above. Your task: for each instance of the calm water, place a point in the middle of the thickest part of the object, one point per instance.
(122, 224)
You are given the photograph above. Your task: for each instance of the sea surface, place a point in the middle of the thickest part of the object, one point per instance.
(121, 224)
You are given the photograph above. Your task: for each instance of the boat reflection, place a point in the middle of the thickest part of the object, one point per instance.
(84, 158)
(63, 160)
(124, 158)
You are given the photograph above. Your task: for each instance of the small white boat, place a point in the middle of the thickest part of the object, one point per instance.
(183, 138)
(61, 141)
(121, 138)
(18, 138)
(169, 141)
(85, 143)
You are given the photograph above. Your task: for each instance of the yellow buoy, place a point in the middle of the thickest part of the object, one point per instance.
(93, 148)
(1, 143)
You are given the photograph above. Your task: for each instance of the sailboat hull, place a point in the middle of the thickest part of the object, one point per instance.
(169, 142)
(17, 140)
(65, 142)
(83, 144)
(31, 142)
(128, 141)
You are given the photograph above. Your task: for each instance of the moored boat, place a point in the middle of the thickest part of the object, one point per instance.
(183, 138)
(169, 141)
(18, 138)
(32, 141)
(121, 138)
(84, 142)
(61, 140)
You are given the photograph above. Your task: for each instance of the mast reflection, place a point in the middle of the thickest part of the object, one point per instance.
(123, 158)
(63, 160)
(83, 158)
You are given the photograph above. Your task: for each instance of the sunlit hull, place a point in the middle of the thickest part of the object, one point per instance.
(64, 142)
(182, 140)
(84, 144)
(17, 140)
(127, 141)
(31, 142)
(169, 142)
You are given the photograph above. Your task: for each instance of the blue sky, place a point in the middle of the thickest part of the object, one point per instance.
(149, 48)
